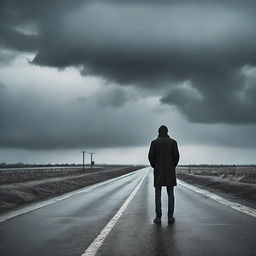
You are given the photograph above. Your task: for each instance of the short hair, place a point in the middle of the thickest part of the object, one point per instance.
(163, 129)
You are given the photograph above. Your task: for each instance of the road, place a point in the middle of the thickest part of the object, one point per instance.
(69, 226)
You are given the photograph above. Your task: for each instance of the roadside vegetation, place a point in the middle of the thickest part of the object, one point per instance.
(23, 186)
(235, 181)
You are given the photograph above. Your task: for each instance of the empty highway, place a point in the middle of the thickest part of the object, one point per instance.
(116, 218)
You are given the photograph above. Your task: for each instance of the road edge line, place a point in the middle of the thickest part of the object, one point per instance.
(236, 206)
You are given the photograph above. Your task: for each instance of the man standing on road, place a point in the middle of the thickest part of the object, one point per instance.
(163, 157)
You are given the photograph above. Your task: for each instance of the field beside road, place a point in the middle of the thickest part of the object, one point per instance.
(244, 174)
(23, 186)
(236, 182)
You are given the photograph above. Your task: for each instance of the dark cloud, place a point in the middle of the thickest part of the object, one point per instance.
(217, 100)
(29, 120)
(114, 98)
(152, 45)
(11, 39)
(2, 86)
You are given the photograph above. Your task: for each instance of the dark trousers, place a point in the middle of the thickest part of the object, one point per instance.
(170, 193)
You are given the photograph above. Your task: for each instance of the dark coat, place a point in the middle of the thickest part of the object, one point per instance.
(163, 157)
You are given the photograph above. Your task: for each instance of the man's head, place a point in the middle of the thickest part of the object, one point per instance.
(163, 130)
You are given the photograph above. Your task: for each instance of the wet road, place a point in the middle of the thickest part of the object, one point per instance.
(68, 227)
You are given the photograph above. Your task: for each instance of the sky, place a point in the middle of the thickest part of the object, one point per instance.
(102, 76)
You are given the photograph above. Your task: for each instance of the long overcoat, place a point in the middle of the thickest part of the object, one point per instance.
(163, 157)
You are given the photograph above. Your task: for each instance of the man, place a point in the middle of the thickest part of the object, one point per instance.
(163, 157)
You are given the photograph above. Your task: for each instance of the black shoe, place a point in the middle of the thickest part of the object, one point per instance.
(157, 220)
(171, 220)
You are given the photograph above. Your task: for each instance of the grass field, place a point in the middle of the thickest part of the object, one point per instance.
(245, 174)
(234, 182)
(23, 186)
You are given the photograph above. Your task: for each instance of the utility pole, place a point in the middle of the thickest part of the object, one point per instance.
(91, 159)
(83, 158)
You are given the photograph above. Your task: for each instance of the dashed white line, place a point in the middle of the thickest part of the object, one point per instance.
(239, 207)
(36, 206)
(96, 244)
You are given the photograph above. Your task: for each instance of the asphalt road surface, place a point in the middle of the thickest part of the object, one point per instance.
(70, 226)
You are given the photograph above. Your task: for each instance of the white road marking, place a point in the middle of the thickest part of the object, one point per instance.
(96, 244)
(36, 206)
(214, 224)
(239, 207)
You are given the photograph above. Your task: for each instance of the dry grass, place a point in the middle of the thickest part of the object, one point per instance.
(30, 189)
(233, 189)
(243, 174)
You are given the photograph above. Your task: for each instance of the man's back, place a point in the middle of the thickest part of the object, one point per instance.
(164, 156)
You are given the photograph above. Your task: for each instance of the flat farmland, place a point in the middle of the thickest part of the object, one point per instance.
(246, 174)
(234, 182)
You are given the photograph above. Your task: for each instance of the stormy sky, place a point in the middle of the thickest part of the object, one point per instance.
(104, 75)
